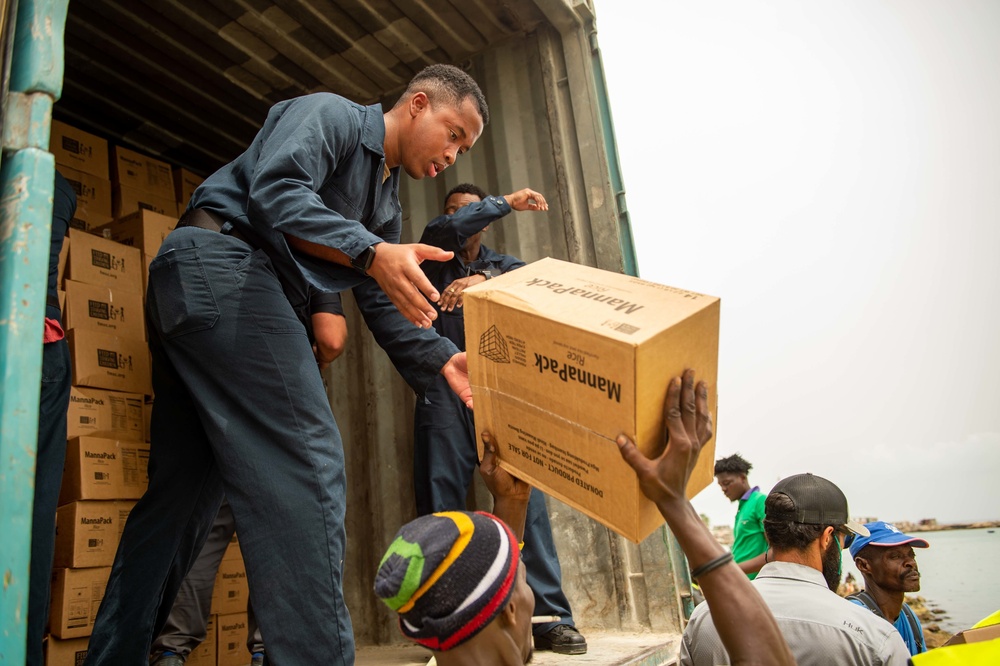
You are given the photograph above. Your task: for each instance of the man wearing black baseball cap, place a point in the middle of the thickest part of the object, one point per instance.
(807, 524)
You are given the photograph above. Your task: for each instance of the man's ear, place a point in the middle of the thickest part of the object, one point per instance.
(863, 565)
(418, 103)
(828, 534)
(508, 615)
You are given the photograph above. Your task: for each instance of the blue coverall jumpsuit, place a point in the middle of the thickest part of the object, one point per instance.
(51, 454)
(444, 456)
(240, 407)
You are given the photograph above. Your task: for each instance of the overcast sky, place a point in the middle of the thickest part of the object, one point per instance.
(831, 170)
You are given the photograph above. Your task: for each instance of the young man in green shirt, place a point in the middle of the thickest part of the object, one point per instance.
(749, 543)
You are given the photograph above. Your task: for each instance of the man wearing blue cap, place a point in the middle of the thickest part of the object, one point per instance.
(885, 558)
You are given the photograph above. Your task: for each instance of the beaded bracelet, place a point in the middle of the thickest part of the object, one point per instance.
(725, 558)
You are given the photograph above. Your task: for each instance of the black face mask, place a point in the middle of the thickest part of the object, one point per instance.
(832, 563)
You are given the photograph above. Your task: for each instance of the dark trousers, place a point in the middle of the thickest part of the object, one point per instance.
(240, 411)
(444, 462)
(48, 478)
(187, 624)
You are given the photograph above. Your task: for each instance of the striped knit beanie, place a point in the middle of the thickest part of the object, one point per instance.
(448, 575)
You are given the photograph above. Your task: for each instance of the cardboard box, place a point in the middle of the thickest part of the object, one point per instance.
(127, 200)
(111, 310)
(185, 183)
(109, 362)
(87, 533)
(144, 229)
(231, 649)
(204, 654)
(98, 468)
(93, 198)
(79, 150)
(147, 417)
(563, 358)
(136, 171)
(61, 295)
(231, 592)
(76, 595)
(987, 633)
(100, 413)
(63, 259)
(72, 652)
(96, 260)
(233, 552)
(147, 260)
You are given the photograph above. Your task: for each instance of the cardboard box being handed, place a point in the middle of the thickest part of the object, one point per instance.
(563, 358)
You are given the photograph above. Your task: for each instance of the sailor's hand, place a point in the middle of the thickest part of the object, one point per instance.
(330, 334)
(527, 199)
(451, 298)
(396, 268)
(456, 371)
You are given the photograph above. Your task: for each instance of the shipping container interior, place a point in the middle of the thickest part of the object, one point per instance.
(190, 81)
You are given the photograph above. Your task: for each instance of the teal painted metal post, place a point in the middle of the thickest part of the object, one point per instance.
(629, 259)
(26, 185)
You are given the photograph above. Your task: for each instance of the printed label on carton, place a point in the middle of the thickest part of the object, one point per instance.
(71, 145)
(591, 292)
(553, 458)
(104, 413)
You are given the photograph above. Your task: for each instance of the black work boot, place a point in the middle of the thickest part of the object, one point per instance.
(562, 639)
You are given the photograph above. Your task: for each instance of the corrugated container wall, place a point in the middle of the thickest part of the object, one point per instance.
(225, 63)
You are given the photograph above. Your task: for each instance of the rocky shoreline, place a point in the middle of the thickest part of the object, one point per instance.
(933, 526)
(930, 617)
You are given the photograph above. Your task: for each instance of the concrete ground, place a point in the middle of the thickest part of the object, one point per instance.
(610, 649)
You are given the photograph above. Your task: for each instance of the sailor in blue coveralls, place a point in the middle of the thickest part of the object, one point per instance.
(51, 453)
(445, 455)
(310, 208)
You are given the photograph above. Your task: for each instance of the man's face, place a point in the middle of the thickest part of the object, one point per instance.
(525, 600)
(461, 200)
(437, 135)
(733, 485)
(894, 568)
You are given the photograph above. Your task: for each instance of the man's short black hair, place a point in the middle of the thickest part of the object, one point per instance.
(734, 464)
(868, 553)
(449, 84)
(466, 188)
(785, 534)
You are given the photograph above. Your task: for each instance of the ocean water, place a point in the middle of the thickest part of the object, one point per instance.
(959, 573)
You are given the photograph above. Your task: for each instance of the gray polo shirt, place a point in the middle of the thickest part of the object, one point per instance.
(820, 626)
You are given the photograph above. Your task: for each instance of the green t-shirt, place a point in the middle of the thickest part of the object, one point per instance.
(748, 530)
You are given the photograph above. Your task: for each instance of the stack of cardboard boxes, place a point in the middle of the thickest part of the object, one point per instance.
(82, 159)
(229, 610)
(106, 452)
(141, 183)
(118, 229)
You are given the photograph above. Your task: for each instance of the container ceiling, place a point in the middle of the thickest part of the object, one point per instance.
(191, 80)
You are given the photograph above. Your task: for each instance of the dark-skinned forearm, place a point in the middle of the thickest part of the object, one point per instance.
(745, 626)
(513, 512)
